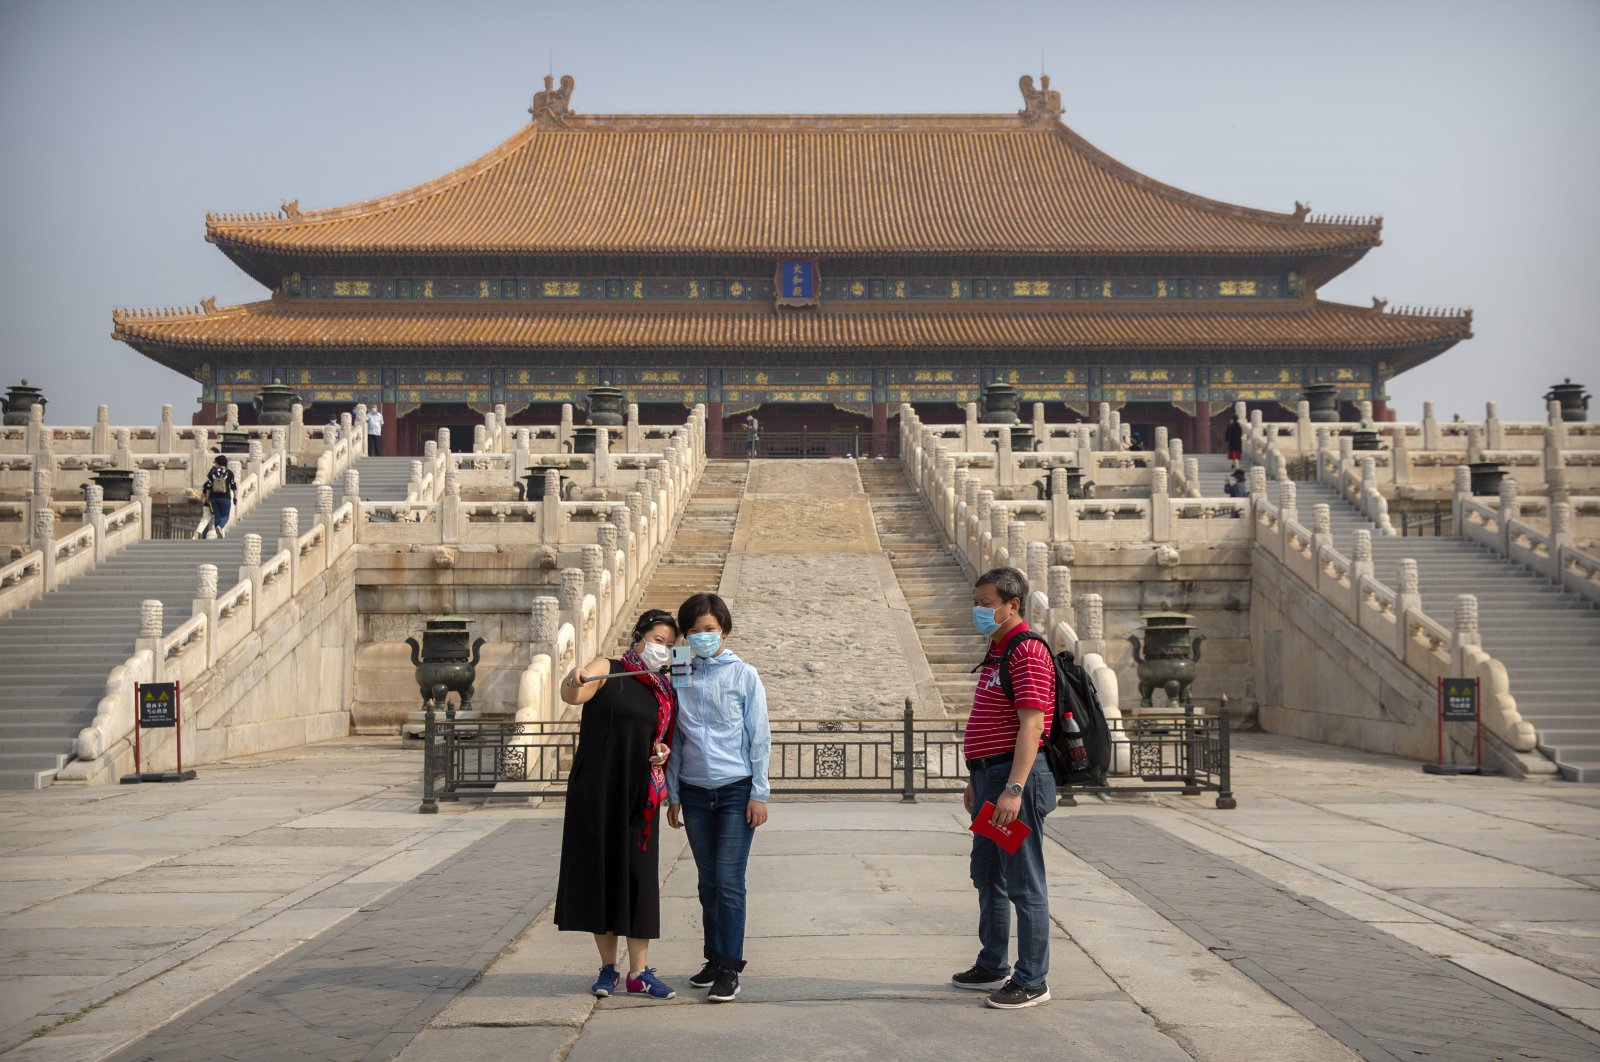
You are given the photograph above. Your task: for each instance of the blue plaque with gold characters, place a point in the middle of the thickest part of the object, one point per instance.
(798, 282)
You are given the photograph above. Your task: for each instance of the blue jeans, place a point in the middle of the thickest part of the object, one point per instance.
(1006, 881)
(221, 509)
(720, 840)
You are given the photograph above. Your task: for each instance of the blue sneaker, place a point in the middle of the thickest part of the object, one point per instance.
(648, 983)
(606, 983)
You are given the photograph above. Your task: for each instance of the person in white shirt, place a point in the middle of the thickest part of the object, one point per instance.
(374, 432)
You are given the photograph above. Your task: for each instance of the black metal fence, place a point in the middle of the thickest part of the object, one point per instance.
(1180, 752)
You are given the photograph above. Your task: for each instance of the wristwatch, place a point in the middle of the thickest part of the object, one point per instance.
(1014, 788)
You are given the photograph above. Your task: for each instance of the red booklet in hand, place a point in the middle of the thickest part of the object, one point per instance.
(1008, 837)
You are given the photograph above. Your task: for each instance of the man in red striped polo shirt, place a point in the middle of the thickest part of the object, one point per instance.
(1001, 745)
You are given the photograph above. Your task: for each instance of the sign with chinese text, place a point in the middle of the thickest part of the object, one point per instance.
(158, 704)
(798, 282)
(1460, 700)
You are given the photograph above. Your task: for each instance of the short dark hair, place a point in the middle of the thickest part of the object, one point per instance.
(653, 617)
(220, 460)
(1007, 582)
(704, 604)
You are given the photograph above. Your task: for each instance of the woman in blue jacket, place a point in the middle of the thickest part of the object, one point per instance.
(717, 783)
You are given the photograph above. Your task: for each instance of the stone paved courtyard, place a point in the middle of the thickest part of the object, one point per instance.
(240, 916)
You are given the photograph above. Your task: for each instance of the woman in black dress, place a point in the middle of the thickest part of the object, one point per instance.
(609, 885)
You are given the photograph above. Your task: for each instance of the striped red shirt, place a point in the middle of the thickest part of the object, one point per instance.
(992, 727)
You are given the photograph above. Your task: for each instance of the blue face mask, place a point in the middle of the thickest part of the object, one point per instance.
(705, 643)
(983, 619)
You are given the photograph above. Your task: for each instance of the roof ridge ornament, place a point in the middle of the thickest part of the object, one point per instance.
(291, 209)
(1301, 210)
(1042, 105)
(209, 305)
(550, 106)
(1379, 305)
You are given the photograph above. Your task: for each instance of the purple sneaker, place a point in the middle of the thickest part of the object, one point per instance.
(606, 983)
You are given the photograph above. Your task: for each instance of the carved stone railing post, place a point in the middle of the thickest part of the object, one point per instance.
(1038, 572)
(352, 486)
(480, 438)
(231, 416)
(122, 449)
(571, 597)
(1465, 632)
(1017, 546)
(522, 456)
(44, 540)
(1407, 598)
(545, 617)
(1560, 531)
(250, 571)
(1302, 424)
(1191, 477)
(1321, 530)
(100, 434)
(414, 483)
(1093, 632)
(564, 432)
(1160, 504)
(200, 456)
(205, 604)
(94, 514)
(1158, 446)
(1360, 566)
(289, 539)
(1060, 592)
(1510, 509)
(603, 464)
(1400, 458)
(325, 509)
(1060, 506)
(551, 516)
(632, 437)
(152, 624)
(1555, 464)
(1430, 428)
(297, 428)
(971, 432)
(1493, 430)
(451, 516)
(166, 432)
(1288, 502)
(141, 494)
(592, 563)
(1258, 483)
(1474, 443)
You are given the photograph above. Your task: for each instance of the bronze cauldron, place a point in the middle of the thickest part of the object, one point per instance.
(445, 663)
(21, 398)
(275, 403)
(1171, 651)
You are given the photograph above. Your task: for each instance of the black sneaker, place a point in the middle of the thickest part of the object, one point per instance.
(725, 987)
(1013, 996)
(706, 977)
(979, 979)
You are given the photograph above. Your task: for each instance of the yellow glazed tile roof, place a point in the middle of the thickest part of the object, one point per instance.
(571, 184)
(304, 325)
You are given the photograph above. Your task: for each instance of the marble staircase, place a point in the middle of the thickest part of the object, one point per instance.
(59, 650)
(698, 551)
(1548, 639)
(933, 582)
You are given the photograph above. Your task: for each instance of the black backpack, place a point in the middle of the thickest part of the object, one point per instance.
(1075, 696)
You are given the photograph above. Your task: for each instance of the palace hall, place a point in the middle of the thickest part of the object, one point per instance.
(816, 270)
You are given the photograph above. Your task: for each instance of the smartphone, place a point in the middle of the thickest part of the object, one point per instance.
(681, 676)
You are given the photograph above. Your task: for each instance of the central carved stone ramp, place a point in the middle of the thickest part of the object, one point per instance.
(1548, 639)
(934, 585)
(59, 650)
(700, 548)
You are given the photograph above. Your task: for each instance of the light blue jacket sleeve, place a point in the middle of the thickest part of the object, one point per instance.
(673, 768)
(757, 738)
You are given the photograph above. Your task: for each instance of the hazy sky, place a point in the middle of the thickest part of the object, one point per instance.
(1470, 125)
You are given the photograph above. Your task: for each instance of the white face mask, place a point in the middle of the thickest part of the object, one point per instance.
(655, 655)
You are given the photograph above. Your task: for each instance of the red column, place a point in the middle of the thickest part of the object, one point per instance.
(880, 429)
(1200, 428)
(713, 429)
(207, 415)
(1381, 411)
(391, 429)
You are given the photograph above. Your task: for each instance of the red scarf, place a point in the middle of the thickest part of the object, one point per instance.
(667, 704)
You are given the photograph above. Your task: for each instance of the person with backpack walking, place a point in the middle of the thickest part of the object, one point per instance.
(1233, 439)
(1003, 743)
(222, 492)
